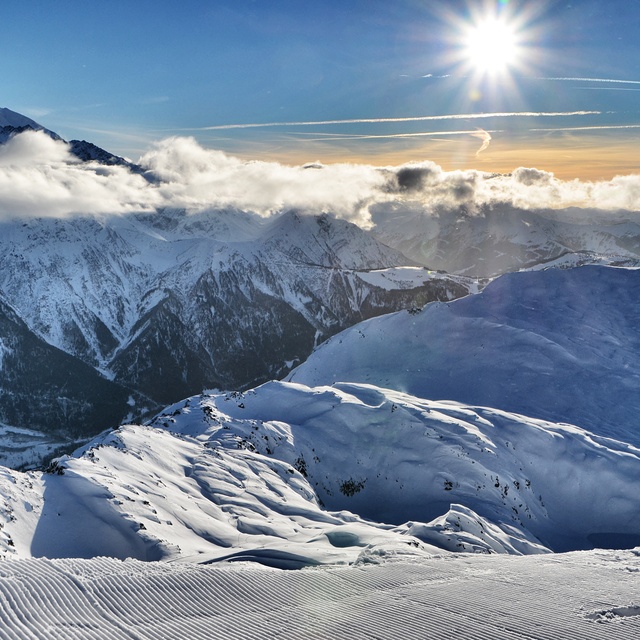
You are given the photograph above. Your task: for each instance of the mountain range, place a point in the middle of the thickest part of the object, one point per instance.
(417, 413)
(149, 308)
(291, 476)
(153, 306)
(494, 239)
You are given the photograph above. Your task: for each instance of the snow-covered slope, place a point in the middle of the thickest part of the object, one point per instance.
(587, 595)
(279, 473)
(561, 345)
(502, 238)
(9, 118)
(170, 303)
(13, 123)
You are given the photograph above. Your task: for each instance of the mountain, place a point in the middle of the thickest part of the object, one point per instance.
(10, 118)
(171, 303)
(13, 123)
(292, 476)
(168, 303)
(559, 344)
(89, 152)
(502, 238)
(46, 389)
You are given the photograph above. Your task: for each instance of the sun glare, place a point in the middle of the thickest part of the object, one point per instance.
(491, 46)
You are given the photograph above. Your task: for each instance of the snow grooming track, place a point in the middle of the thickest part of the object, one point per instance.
(461, 596)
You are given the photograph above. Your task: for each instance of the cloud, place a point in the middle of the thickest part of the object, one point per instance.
(603, 80)
(485, 136)
(38, 177)
(196, 178)
(435, 191)
(32, 147)
(415, 176)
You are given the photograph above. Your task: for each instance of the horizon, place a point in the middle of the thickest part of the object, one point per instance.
(483, 85)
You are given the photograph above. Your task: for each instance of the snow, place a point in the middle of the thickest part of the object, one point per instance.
(10, 118)
(293, 476)
(560, 344)
(410, 277)
(459, 596)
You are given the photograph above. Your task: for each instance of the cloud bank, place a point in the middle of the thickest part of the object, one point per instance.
(39, 178)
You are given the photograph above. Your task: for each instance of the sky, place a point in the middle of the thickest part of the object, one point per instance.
(555, 85)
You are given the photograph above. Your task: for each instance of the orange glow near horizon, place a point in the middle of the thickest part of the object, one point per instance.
(568, 155)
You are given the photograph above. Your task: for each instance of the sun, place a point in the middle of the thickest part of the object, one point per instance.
(491, 46)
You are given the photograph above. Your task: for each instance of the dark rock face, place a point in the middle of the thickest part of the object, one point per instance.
(45, 389)
(89, 152)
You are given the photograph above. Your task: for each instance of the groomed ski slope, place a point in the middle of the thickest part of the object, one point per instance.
(578, 596)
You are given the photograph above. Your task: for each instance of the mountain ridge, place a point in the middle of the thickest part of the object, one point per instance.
(556, 344)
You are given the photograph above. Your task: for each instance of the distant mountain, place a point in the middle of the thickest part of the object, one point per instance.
(171, 303)
(560, 345)
(13, 123)
(501, 238)
(89, 152)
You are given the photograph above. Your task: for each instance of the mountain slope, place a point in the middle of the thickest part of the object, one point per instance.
(13, 123)
(10, 118)
(171, 303)
(502, 238)
(286, 475)
(48, 390)
(561, 345)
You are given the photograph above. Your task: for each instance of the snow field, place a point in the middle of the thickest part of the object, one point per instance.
(292, 476)
(581, 595)
(560, 345)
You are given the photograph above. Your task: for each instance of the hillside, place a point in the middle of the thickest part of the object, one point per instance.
(560, 344)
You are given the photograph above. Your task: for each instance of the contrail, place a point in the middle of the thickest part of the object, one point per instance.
(485, 136)
(612, 80)
(459, 116)
(594, 128)
(417, 134)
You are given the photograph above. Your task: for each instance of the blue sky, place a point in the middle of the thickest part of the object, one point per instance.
(126, 73)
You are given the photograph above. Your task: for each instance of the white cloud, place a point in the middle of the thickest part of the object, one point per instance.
(38, 177)
(194, 177)
(455, 116)
(32, 147)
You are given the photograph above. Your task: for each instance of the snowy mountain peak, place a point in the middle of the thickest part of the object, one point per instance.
(10, 118)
